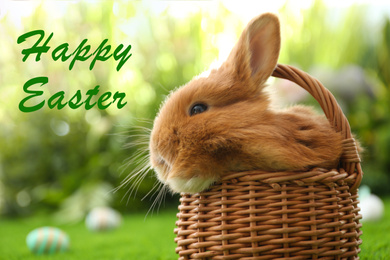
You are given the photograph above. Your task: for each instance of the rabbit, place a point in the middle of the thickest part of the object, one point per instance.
(223, 123)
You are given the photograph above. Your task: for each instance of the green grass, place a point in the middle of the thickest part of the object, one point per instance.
(138, 238)
(376, 237)
(149, 239)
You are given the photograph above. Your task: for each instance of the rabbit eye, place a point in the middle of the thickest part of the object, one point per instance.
(197, 109)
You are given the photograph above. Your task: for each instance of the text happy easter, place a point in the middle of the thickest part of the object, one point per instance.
(61, 53)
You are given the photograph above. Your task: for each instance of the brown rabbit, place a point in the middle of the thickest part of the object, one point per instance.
(223, 122)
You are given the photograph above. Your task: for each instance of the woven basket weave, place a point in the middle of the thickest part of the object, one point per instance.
(279, 215)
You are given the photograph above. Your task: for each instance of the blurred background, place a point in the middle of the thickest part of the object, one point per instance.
(69, 161)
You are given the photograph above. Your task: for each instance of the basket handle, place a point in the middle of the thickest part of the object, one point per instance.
(350, 160)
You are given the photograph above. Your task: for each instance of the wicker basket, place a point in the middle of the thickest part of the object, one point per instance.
(279, 215)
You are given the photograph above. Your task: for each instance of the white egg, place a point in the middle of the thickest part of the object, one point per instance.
(371, 208)
(103, 218)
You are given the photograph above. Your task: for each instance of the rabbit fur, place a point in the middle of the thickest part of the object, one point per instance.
(237, 131)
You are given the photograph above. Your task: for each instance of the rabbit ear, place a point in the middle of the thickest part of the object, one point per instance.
(256, 53)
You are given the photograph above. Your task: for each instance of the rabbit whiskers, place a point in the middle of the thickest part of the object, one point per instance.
(140, 160)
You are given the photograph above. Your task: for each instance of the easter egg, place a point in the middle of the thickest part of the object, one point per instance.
(47, 240)
(102, 219)
(372, 208)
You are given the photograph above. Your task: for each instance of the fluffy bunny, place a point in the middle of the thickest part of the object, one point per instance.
(223, 122)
